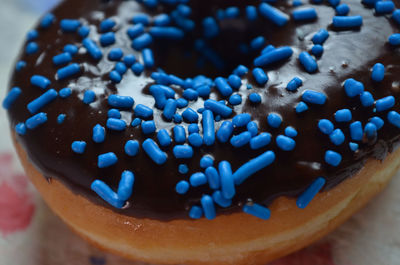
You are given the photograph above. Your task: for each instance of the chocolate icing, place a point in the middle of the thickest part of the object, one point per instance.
(348, 54)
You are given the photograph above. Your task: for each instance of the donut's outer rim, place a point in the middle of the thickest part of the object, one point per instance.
(237, 238)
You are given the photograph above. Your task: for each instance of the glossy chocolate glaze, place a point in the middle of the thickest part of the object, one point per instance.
(348, 54)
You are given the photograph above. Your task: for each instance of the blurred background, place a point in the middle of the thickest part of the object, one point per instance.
(31, 235)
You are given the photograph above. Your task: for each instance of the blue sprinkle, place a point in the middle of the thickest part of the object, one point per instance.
(137, 68)
(170, 33)
(206, 161)
(333, 158)
(135, 31)
(342, 22)
(394, 39)
(343, 115)
(210, 27)
(148, 127)
(301, 107)
(273, 14)
(69, 25)
(183, 151)
(208, 207)
(260, 76)
(197, 179)
(179, 134)
(218, 108)
(183, 169)
(213, 177)
(92, 48)
(220, 200)
(223, 87)
(255, 98)
(99, 133)
(125, 186)
(285, 143)
(40, 81)
(227, 181)
(241, 120)
(260, 141)
(317, 50)
(337, 137)
(234, 81)
(20, 65)
(342, 10)
(154, 152)
(314, 97)
(122, 102)
(325, 126)
(62, 59)
(114, 113)
(367, 100)
(353, 88)
(396, 16)
(131, 148)
(378, 72)
(35, 105)
(181, 103)
(107, 194)
(141, 42)
(290, 132)
(208, 127)
(106, 160)
(61, 118)
(353, 147)
(356, 131)
(177, 118)
(129, 60)
(65, 92)
(251, 13)
(47, 21)
(253, 166)
(141, 19)
(294, 84)
(232, 12)
(252, 127)
(89, 97)
(71, 49)
(241, 139)
(84, 31)
(274, 56)
(274, 120)
(11, 97)
(78, 147)
(143, 111)
(235, 99)
(385, 103)
(204, 90)
(334, 3)
(148, 58)
(107, 25)
(370, 130)
(182, 187)
(193, 128)
(120, 68)
(304, 14)
(162, 20)
(378, 122)
(116, 124)
(305, 198)
(268, 49)
(190, 94)
(150, 3)
(163, 138)
(195, 212)
(320, 37)
(190, 115)
(36, 120)
(257, 43)
(68, 71)
(107, 39)
(115, 77)
(115, 54)
(170, 109)
(257, 211)
(241, 70)
(394, 118)
(308, 62)
(384, 7)
(20, 128)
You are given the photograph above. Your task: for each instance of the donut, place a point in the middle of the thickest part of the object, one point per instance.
(208, 132)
